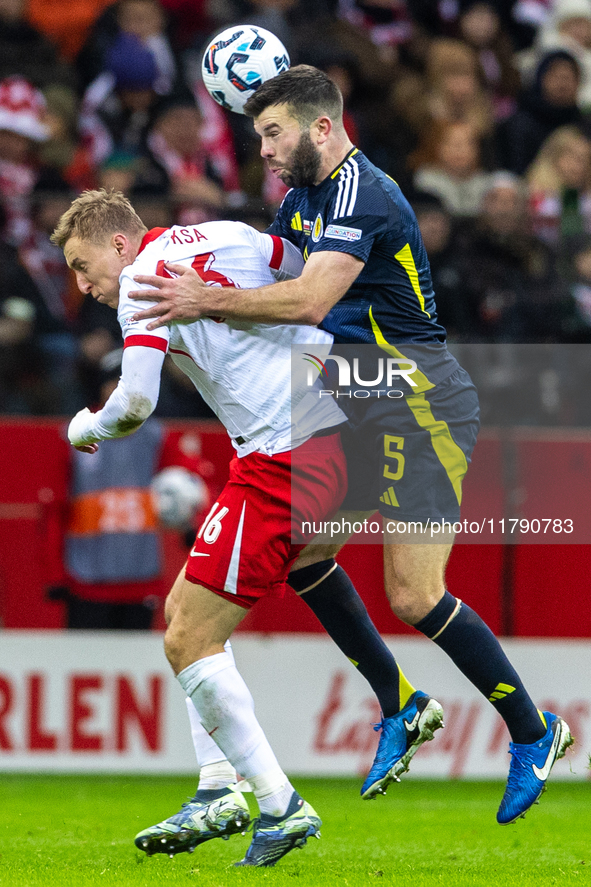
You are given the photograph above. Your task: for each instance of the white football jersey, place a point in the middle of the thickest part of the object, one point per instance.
(254, 376)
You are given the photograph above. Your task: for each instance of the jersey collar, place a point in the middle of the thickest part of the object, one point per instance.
(336, 171)
(150, 236)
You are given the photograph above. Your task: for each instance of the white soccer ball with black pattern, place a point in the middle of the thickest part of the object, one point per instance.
(178, 495)
(238, 61)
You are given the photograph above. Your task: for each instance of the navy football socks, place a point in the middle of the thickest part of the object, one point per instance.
(472, 646)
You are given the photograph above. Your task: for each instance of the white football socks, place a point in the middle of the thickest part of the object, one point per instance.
(226, 712)
(215, 771)
(276, 803)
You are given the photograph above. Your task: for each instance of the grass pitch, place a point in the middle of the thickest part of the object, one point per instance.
(73, 831)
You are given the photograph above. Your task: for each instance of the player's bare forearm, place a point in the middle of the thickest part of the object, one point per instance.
(307, 299)
(187, 298)
(175, 303)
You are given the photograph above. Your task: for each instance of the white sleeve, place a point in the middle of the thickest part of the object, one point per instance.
(291, 262)
(283, 257)
(129, 405)
(136, 395)
(127, 308)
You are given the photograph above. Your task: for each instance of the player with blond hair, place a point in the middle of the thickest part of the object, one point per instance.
(288, 469)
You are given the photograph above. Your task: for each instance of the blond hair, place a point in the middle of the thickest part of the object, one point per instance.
(95, 215)
(543, 174)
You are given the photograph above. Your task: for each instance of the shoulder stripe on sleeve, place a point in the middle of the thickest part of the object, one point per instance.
(341, 187)
(277, 257)
(347, 189)
(354, 186)
(147, 342)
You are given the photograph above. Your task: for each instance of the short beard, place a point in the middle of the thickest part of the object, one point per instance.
(304, 164)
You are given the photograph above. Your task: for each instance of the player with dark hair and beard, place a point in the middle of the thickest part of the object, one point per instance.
(303, 166)
(367, 281)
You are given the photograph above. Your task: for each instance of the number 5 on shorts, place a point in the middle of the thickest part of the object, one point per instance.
(392, 444)
(212, 525)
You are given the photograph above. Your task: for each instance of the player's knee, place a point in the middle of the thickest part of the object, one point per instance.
(403, 604)
(177, 648)
(409, 602)
(185, 643)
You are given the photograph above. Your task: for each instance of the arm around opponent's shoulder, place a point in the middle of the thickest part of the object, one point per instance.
(305, 300)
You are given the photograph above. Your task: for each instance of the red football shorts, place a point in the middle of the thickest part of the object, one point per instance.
(248, 542)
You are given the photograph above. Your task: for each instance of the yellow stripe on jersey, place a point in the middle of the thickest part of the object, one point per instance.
(306, 254)
(405, 257)
(422, 382)
(296, 222)
(337, 171)
(448, 452)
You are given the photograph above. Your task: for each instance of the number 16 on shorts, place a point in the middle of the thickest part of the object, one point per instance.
(211, 527)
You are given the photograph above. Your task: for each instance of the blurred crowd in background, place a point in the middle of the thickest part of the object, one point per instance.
(480, 110)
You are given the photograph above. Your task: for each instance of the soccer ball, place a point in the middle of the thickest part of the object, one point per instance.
(178, 496)
(238, 61)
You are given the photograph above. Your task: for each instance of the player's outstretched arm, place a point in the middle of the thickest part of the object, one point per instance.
(325, 279)
(131, 403)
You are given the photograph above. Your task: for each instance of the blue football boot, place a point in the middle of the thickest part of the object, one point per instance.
(530, 768)
(274, 836)
(402, 735)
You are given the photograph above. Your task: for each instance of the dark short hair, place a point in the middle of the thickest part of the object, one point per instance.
(307, 91)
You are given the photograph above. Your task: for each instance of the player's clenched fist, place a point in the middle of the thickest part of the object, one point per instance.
(79, 433)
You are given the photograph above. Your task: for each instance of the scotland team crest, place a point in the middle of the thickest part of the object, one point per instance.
(318, 229)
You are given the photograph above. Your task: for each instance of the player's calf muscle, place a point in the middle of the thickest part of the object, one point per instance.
(201, 623)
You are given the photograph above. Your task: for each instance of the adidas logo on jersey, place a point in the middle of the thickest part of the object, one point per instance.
(299, 224)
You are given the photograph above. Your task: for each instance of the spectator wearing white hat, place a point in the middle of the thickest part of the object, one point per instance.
(22, 128)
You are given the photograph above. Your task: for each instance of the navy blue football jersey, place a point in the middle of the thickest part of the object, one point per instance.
(390, 308)
(360, 210)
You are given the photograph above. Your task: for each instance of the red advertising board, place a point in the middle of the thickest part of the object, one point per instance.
(531, 590)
